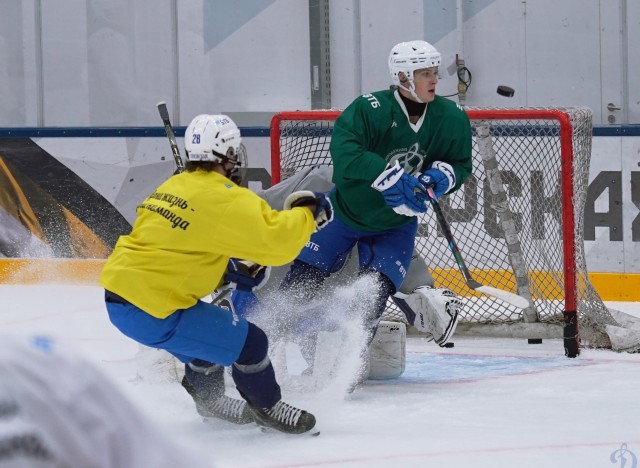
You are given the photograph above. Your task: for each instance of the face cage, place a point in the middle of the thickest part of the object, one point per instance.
(238, 172)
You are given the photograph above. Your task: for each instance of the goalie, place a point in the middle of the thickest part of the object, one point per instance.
(432, 311)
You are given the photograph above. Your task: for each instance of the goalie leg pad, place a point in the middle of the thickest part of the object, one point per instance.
(417, 275)
(387, 352)
(437, 311)
(327, 353)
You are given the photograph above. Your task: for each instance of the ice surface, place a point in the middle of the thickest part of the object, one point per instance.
(484, 403)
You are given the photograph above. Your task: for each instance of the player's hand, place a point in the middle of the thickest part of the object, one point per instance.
(244, 275)
(402, 192)
(440, 178)
(317, 202)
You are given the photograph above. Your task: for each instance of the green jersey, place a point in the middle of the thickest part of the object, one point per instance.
(375, 131)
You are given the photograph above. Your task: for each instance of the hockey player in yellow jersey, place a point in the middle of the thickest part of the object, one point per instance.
(187, 241)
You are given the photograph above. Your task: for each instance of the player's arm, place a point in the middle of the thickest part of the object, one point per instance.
(352, 135)
(401, 191)
(356, 130)
(451, 169)
(245, 275)
(252, 230)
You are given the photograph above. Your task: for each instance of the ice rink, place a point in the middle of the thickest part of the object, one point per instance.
(484, 403)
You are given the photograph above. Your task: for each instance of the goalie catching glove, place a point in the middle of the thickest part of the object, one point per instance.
(244, 275)
(401, 191)
(434, 311)
(317, 202)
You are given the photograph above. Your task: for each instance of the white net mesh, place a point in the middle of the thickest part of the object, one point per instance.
(508, 219)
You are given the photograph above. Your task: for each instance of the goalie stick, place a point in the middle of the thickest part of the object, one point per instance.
(164, 115)
(506, 296)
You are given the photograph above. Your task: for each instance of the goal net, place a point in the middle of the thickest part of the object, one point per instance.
(518, 219)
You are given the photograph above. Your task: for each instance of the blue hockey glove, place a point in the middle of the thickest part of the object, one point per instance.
(244, 275)
(317, 202)
(402, 192)
(440, 177)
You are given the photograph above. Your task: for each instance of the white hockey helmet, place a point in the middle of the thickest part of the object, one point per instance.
(409, 56)
(213, 138)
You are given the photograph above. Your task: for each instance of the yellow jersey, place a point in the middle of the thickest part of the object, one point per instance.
(185, 233)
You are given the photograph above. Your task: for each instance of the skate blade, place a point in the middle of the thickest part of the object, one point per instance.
(270, 430)
(215, 420)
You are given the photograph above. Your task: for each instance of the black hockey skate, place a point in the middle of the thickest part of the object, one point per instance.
(284, 418)
(207, 391)
(227, 408)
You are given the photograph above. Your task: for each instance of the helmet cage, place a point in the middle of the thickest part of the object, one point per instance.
(232, 156)
(238, 173)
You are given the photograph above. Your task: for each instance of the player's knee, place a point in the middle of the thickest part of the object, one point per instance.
(386, 287)
(309, 272)
(255, 348)
(303, 274)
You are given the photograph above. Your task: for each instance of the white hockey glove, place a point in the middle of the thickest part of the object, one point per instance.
(434, 311)
(401, 191)
(244, 275)
(440, 177)
(317, 202)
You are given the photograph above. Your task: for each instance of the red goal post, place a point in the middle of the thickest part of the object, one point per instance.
(518, 219)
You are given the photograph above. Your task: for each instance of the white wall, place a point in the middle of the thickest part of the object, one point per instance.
(107, 62)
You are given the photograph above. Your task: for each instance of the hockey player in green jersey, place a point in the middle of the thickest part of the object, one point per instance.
(387, 149)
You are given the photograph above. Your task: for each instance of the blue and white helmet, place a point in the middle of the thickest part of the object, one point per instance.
(406, 57)
(213, 138)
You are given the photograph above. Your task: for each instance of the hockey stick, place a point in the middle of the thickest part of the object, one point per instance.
(505, 296)
(164, 115)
